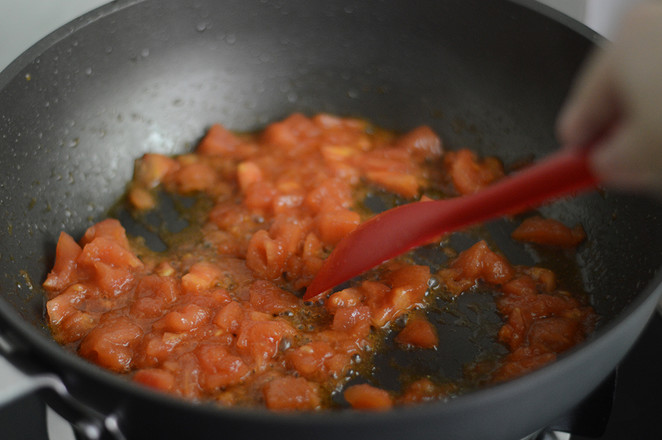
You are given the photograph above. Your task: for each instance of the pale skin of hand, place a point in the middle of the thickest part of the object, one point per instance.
(617, 99)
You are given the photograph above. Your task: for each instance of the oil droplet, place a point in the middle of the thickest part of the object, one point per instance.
(88, 71)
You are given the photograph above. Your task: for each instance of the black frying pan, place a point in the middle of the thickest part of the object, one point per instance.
(138, 76)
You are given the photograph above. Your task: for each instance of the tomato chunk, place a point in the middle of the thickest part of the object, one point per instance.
(291, 393)
(468, 173)
(419, 333)
(112, 344)
(64, 268)
(367, 397)
(156, 378)
(549, 232)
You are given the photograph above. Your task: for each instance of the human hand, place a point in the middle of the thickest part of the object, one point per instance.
(617, 100)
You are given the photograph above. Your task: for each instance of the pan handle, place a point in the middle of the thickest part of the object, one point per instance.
(14, 384)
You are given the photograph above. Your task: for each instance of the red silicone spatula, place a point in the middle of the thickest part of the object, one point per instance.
(397, 230)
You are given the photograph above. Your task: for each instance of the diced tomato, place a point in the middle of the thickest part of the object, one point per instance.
(513, 333)
(334, 225)
(112, 344)
(219, 141)
(159, 286)
(424, 390)
(310, 360)
(187, 375)
(367, 397)
(155, 378)
(555, 334)
(470, 175)
(521, 286)
(549, 232)
(196, 176)
(248, 173)
(182, 319)
(148, 307)
(422, 143)
(293, 135)
(522, 361)
(478, 262)
(110, 229)
(401, 183)
(331, 193)
(64, 268)
(408, 286)
(261, 339)
(349, 297)
(290, 232)
(221, 368)
(413, 278)
(418, 333)
(151, 169)
(229, 317)
(266, 297)
(156, 348)
(259, 197)
(110, 252)
(266, 256)
(141, 198)
(352, 320)
(201, 276)
(453, 281)
(112, 280)
(291, 393)
(59, 306)
(545, 278)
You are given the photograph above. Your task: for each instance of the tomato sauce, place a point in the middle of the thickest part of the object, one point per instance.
(219, 317)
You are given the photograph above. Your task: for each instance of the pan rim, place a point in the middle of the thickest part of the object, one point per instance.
(48, 348)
